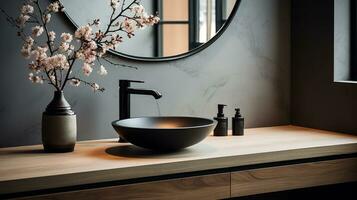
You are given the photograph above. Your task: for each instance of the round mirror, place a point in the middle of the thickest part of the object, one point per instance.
(185, 27)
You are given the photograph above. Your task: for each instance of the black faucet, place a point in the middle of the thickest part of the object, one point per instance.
(124, 98)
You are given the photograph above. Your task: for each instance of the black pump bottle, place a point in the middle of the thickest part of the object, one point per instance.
(237, 123)
(222, 122)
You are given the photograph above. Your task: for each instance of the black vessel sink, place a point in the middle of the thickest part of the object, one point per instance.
(164, 133)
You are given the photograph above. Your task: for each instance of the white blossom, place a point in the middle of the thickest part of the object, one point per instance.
(114, 4)
(75, 82)
(22, 19)
(37, 31)
(27, 47)
(138, 9)
(87, 69)
(39, 53)
(88, 52)
(83, 32)
(26, 52)
(29, 40)
(35, 79)
(92, 45)
(52, 36)
(63, 47)
(33, 67)
(79, 55)
(53, 7)
(66, 37)
(151, 20)
(102, 71)
(95, 87)
(88, 55)
(46, 18)
(70, 50)
(129, 25)
(26, 9)
(58, 61)
(53, 78)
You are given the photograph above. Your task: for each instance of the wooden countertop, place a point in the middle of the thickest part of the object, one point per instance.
(28, 168)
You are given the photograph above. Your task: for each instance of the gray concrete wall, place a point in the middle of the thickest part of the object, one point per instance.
(318, 101)
(248, 67)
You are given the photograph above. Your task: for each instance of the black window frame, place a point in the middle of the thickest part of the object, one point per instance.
(193, 23)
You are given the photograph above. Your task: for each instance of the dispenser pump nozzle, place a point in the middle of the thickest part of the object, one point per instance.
(220, 110)
(238, 113)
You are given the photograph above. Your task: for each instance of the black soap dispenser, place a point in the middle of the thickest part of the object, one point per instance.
(237, 123)
(222, 122)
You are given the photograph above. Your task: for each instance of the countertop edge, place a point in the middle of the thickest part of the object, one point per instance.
(118, 174)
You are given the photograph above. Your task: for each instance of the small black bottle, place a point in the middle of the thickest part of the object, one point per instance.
(222, 122)
(237, 123)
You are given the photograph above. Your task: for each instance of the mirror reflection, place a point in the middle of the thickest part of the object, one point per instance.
(184, 24)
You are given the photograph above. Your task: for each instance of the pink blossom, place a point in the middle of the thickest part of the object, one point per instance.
(46, 18)
(84, 32)
(26, 52)
(37, 31)
(129, 25)
(58, 61)
(52, 36)
(22, 19)
(66, 37)
(63, 47)
(26, 9)
(39, 53)
(53, 7)
(87, 69)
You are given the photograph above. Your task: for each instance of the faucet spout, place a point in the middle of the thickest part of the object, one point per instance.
(125, 92)
(153, 93)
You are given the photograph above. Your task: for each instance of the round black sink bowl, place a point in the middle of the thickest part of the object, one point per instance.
(164, 133)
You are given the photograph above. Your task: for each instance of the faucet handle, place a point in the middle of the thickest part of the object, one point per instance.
(126, 83)
(134, 81)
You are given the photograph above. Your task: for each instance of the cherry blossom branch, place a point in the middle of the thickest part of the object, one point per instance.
(67, 74)
(12, 22)
(112, 20)
(91, 84)
(116, 64)
(44, 24)
(57, 65)
(125, 9)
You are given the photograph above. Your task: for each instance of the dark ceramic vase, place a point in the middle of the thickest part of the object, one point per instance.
(59, 125)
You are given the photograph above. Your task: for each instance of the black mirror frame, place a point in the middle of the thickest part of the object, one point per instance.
(179, 56)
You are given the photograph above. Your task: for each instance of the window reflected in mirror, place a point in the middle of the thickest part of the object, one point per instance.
(184, 24)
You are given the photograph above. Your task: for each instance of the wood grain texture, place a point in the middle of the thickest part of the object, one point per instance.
(281, 178)
(215, 186)
(27, 168)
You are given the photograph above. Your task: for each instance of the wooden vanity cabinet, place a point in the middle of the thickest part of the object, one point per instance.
(265, 160)
(215, 186)
(288, 177)
(225, 185)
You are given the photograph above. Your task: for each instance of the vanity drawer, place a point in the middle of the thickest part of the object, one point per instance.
(216, 186)
(295, 176)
